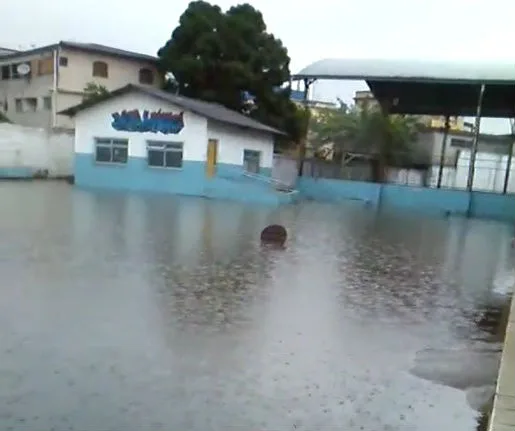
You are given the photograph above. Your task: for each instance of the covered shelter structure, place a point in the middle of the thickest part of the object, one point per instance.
(443, 88)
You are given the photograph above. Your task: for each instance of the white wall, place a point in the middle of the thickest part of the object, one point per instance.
(96, 123)
(36, 148)
(233, 140)
(489, 173)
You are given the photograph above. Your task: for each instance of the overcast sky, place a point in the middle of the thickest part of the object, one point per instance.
(415, 29)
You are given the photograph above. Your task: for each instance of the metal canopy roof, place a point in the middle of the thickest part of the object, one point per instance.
(427, 87)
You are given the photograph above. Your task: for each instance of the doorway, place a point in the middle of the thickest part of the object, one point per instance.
(212, 156)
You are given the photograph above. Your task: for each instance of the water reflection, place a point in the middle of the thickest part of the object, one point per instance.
(151, 312)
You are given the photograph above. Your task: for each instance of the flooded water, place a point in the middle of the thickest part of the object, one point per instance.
(148, 312)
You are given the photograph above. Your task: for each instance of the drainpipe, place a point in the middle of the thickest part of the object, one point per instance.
(54, 89)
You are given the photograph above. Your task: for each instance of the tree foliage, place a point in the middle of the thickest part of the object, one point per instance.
(93, 92)
(388, 140)
(219, 56)
(3, 118)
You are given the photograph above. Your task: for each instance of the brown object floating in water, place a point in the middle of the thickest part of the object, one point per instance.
(274, 234)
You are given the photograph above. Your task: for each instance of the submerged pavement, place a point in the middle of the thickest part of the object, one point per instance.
(139, 312)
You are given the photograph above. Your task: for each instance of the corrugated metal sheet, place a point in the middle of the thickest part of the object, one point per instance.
(416, 70)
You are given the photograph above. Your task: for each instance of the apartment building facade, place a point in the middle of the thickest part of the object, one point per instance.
(37, 84)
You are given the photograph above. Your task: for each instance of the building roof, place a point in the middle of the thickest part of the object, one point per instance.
(402, 70)
(212, 111)
(427, 87)
(85, 47)
(7, 51)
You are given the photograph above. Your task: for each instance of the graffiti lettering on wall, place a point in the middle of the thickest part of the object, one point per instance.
(157, 121)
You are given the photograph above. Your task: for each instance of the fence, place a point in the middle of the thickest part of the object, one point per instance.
(28, 152)
(489, 173)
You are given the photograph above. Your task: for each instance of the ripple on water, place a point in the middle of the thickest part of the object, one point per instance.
(132, 312)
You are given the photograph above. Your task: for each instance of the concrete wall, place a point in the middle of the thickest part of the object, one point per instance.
(79, 71)
(190, 179)
(407, 198)
(24, 151)
(72, 79)
(285, 169)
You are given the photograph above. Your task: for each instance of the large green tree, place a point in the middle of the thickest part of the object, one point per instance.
(221, 56)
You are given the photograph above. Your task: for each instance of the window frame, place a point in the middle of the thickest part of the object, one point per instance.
(63, 61)
(5, 72)
(47, 103)
(111, 145)
(259, 159)
(95, 71)
(162, 146)
(142, 72)
(18, 105)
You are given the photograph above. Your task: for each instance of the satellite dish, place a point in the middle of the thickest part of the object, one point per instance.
(23, 69)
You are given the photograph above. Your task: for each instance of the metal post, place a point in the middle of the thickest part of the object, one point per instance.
(302, 147)
(508, 168)
(475, 142)
(442, 151)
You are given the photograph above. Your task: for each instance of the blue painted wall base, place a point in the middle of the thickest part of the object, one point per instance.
(17, 173)
(228, 183)
(426, 200)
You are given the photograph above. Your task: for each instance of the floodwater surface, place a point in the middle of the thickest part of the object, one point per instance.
(132, 312)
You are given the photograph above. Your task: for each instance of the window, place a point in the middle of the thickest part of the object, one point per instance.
(146, 76)
(6, 72)
(31, 104)
(100, 69)
(63, 61)
(46, 66)
(251, 161)
(14, 71)
(18, 105)
(47, 103)
(164, 154)
(111, 150)
(460, 143)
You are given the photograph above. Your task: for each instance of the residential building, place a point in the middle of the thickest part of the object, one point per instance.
(37, 84)
(145, 139)
(459, 141)
(365, 99)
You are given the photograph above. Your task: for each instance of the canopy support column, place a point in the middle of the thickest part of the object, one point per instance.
(508, 168)
(302, 144)
(475, 142)
(442, 151)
